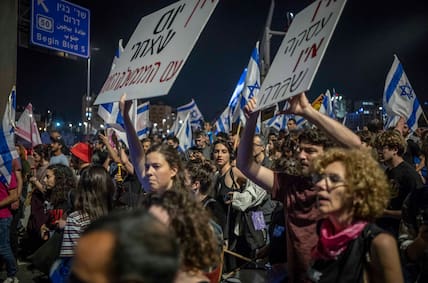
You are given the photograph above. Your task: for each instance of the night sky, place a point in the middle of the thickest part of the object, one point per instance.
(356, 62)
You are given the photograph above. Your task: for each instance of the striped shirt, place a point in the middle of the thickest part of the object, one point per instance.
(76, 224)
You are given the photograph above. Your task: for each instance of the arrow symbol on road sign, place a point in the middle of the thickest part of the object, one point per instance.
(42, 2)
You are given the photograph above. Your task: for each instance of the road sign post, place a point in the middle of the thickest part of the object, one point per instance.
(61, 25)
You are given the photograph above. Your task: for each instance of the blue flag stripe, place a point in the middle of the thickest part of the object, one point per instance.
(394, 82)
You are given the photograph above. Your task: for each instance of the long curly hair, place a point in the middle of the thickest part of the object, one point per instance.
(367, 184)
(65, 181)
(94, 194)
(190, 222)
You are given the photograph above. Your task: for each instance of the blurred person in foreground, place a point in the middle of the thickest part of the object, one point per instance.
(126, 247)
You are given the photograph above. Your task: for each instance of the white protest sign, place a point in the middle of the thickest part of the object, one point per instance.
(300, 53)
(156, 51)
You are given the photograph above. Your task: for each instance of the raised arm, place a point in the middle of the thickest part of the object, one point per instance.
(136, 151)
(300, 105)
(260, 175)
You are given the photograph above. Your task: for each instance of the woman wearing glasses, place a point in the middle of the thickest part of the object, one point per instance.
(353, 192)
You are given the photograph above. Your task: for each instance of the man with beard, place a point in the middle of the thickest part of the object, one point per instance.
(296, 192)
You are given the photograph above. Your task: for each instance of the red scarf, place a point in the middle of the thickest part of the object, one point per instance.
(331, 245)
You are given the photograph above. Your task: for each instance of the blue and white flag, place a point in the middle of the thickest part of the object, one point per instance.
(399, 98)
(7, 144)
(195, 117)
(252, 83)
(110, 113)
(142, 123)
(223, 122)
(119, 51)
(184, 135)
(327, 105)
(234, 102)
(26, 127)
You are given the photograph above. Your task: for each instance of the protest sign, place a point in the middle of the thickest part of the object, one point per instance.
(298, 58)
(156, 51)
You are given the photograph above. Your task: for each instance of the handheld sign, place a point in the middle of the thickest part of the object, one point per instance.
(156, 51)
(300, 53)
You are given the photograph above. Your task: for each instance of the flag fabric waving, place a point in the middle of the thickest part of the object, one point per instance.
(399, 98)
(252, 83)
(142, 123)
(326, 106)
(7, 144)
(26, 127)
(195, 116)
(184, 135)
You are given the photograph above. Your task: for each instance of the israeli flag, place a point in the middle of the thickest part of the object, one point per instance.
(399, 98)
(252, 83)
(223, 122)
(142, 124)
(195, 116)
(327, 105)
(184, 135)
(234, 102)
(110, 113)
(7, 144)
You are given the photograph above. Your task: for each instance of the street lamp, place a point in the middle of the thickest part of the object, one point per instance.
(88, 108)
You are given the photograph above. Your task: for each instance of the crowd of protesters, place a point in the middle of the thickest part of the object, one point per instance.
(314, 204)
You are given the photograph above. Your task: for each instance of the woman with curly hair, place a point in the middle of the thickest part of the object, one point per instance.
(199, 248)
(60, 181)
(353, 192)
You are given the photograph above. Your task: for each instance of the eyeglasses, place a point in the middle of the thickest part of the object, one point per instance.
(333, 181)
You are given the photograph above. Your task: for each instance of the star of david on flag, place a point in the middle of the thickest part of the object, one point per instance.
(399, 98)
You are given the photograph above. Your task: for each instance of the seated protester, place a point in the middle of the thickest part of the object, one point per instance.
(413, 236)
(201, 179)
(352, 192)
(126, 246)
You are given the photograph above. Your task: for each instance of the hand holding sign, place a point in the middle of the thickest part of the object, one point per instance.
(300, 53)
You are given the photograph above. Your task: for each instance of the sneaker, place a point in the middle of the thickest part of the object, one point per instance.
(11, 280)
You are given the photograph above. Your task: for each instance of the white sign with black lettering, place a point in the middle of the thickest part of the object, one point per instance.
(300, 53)
(156, 51)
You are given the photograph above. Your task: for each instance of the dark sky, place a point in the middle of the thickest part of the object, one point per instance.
(356, 62)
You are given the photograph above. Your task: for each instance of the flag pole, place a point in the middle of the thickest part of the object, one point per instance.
(237, 133)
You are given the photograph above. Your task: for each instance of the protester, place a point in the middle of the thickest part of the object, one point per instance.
(58, 148)
(229, 179)
(352, 192)
(296, 192)
(126, 246)
(60, 181)
(81, 156)
(413, 236)
(200, 250)
(8, 195)
(160, 168)
(93, 199)
(403, 176)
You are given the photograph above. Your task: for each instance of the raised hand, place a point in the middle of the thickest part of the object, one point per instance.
(124, 105)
